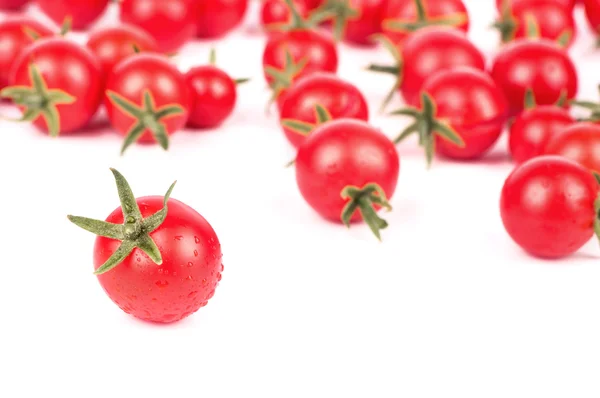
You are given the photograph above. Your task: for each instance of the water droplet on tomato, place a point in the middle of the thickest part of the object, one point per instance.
(190, 264)
(197, 239)
(192, 294)
(195, 253)
(222, 268)
(178, 237)
(162, 283)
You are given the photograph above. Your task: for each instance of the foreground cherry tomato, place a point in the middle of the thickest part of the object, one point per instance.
(12, 5)
(156, 258)
(500, 4)
(579, 142)
(112, 45)
(402, 17)
(461, 115)
(147, 99)
(346, 170)
(538, 65)
(547, 206)
(14, 38)
(57, 83)
(215, 18)
(82, 12)
(339, 98)
(592, 12)
(275, 14)
(356, 21)
(171, 22)
(534, 128)
(424, 53)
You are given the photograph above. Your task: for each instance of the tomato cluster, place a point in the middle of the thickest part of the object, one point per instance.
(159, 260)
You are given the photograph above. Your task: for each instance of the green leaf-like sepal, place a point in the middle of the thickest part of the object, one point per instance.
(396, 70)
(282, 79)
(341, 12)
(364, 199)
(322, 115)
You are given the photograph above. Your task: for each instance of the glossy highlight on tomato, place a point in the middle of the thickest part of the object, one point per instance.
(579, 142)
(82, 12)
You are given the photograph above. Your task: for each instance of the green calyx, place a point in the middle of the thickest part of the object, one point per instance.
(395, 70)
(135, 230)
(298, 23)
(364, 200)
(282, 79)
(530, 102)
(423, 20)
(64, 29)
(38, 100)
(322, 115)
(148, 118)
(593, 107)
(507, 24)
(426, 126)
(341, 12)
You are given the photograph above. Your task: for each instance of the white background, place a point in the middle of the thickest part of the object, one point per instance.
(446, 306)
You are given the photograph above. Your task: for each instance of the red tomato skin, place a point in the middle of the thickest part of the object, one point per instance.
(405, 10)
(112, 45)
(552, 18)
(368, 22)
(317, 47)
(12, 5)
(430, 50)
(592, 12)
(470, 101)
(540, 65)
(341, 153)
(213, 93)
(215, 18)
(547, 206)
(151, 72)
(534, 128)
(579, 142)
(172, 23)
(312, 4)
(83, 12)
(13, 41)
(186, 280)
(340, 98)
(66, 66)
(275, 12)
(564, 3)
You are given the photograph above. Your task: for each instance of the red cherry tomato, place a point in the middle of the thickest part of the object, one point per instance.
(12, 5)
(539, 65)
(153, 74)
(112, 45)
(534, 128)
(357, 20)
(592, 12)
(82, 12)
(213, 94)
(14, 39)
(165, 289)
(171, 22)
(347, 153)
(68, 70)
(400, 17)
(275, 13)
(341, 99)
(312, 4)
(565, 3)
(547, 206)
(579, 142)
(215, 18)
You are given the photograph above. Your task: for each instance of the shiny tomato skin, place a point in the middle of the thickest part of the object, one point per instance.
(406, 11)
(273, 13)
(317, 47)
(114, 44)
(547, 206)
(182, 284)
(565, 3)
(13, 41)
(340, 98)
(213, 95)
(12, 5)
(359, 30)
(430, 50)
(552, 18)
(172, 23)
(534, 128)
(592, 12)
(470, 102)
(82, 12)
(579, 142)
(539, 65)
(155, 73)
(215, 18)
(66, 66)
(341, 153)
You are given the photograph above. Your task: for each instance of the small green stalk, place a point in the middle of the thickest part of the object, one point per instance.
(282, 79)
(593, 107)
(342, 12)
(299, 23)
(395, 70)
(322, 116)
(426, 126)
(423, 20)
(38, 100)
(364, 199)
(135, 230)
(507, 24)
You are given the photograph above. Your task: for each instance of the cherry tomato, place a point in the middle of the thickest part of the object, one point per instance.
(14, 38)
(341, 99)
(551, 20)
(275, 13)
(346, 170)
(150, 83)
(12, 5)
(532, 129)
(511, 3)
(402, 17)
(579, 142)
(592, 12)
(112, 45)
(356, 21)
(215, 18)
(70, 85)
(539, 65)
(82, 12)
(171, 22)
(156, 258)
(547, 206)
